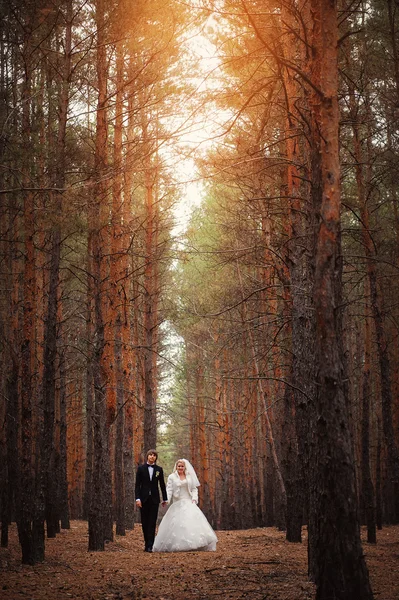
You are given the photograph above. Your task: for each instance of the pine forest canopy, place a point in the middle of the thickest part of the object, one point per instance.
(199, 251)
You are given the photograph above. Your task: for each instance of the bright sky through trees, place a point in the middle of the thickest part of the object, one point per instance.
(203, 121)
(204, 124)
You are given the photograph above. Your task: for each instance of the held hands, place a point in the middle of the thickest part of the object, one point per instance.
(164, 502)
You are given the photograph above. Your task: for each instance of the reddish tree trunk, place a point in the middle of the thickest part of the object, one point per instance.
(337, 560)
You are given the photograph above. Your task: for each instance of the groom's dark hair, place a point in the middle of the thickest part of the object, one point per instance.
(152, 451)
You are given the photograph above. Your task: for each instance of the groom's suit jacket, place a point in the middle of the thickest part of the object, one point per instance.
(149, 489)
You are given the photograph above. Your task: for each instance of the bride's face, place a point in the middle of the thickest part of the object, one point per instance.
(181, 468)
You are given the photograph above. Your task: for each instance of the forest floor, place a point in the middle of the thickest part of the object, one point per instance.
(257, 564)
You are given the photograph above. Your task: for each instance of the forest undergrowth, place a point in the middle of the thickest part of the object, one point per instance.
(255, 564)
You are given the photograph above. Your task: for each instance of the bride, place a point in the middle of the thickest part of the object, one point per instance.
(184, 526)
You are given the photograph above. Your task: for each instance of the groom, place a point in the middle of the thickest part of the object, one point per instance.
(149, 478)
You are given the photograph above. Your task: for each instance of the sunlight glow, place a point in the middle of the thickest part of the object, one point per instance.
(206, 122)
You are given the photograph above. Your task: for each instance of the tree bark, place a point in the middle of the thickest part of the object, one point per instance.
(118, 274)
(150, 297)
(339, 567)
(100, 512)
(129, 334)
(89, 406)
(26, 496)
(367, 488)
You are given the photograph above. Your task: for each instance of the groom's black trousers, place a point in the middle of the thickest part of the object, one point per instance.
(149, 514)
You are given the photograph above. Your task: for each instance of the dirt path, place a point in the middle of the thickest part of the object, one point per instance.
(256, 564)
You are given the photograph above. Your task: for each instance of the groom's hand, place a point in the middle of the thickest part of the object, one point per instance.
(164, 502)
(138, 503)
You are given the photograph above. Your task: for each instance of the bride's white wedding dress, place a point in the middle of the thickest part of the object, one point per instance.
(184, 526)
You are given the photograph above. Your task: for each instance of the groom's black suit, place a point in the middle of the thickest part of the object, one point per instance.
(148, 492)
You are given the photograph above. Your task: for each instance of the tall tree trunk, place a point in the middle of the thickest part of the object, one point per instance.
(301, 278)
(338, 563)
(12, 452)
(118, 275)
(63, 476)
(11, 336)
(129, 334)
(50, 356)
(100, 512)
(392, 497)
(119, 471)
(202, 444)
(26, 497)
(150, 292)
(378, 480)
(50, 337)
(367, 488)
(89, 405)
